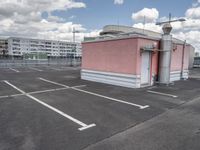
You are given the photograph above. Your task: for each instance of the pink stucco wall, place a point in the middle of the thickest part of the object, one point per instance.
(176, 61)
(123, 56)
(117, 56)
(154, 56)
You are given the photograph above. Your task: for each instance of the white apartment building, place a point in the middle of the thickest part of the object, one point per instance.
(20, 46)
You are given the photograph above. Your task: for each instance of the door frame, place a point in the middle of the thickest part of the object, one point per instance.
(149, 70)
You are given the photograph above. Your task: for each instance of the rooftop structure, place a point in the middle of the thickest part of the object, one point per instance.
(131, 57)
(120, 31)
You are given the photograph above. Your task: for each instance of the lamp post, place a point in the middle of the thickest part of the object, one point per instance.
(74, 43)
(166, 49)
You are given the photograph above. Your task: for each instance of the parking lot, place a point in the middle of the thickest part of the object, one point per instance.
(51, 108)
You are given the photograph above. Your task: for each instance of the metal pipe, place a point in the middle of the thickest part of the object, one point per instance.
(165, 59)
(182, 64)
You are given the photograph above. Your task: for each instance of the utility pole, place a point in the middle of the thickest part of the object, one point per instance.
(74, 43)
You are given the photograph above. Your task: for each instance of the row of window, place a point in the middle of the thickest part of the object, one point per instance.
(17, 41)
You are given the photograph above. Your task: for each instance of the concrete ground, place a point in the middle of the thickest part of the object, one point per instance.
(51, 108)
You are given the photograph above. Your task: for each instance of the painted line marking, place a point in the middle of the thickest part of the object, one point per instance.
(98, 95)
(38, 92)
(164, 94)
(78, 86)
(45, 91)
(56, 69)
(35, 69)
(14, 70)
(53, 82)
(7, 96)
(13, 86)
(83, 125)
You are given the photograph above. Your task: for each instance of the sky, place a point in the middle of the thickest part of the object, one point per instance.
(55, 19)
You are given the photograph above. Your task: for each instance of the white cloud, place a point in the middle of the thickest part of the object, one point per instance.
(196, 3)
(192, 37)
(188, 30)
(150, 15)
(193, 13)
(24, 18)
(93, 33)
(9, 7)
(119, 2)
(148, 26)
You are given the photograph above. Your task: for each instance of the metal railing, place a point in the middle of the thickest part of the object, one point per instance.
(17, 62)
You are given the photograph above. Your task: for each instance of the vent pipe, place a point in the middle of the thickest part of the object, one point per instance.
(165, 55)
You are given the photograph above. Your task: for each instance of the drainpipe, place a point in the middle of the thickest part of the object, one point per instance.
(182, 64)
(165, 55)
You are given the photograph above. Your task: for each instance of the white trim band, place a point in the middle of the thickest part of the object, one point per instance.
(176, 75)
(125, 80)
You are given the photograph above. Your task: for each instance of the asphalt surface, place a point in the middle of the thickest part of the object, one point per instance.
(28, 121)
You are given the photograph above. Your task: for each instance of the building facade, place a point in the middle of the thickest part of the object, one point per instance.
(131, 59)
(15, 46)
(3, 47)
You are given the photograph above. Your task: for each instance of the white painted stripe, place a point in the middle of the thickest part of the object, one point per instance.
(14, 70)
(14, 87)
(78, 86)
(84, 126)
(99, 95)
(56, 69)
(110, 98)
(164, 94)
(35, 69)
(50, 90)
(58, 111)
(54, 82)
(6, 96)
(14, 95)
(38, 92)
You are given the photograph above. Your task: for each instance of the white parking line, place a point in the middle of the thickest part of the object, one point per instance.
(164, 94)
(53, 82)
(43, 91)
(78, 86)
(83, 125)
(13, 86)
(69, 68)
(7, 96)
(99, 95)
(56, 69)
(14, 70)
(35, 69)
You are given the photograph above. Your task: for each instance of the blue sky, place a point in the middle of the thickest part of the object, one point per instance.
(55, 19)
(101, 12)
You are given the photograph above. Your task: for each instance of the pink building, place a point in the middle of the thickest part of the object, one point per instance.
(131, 60)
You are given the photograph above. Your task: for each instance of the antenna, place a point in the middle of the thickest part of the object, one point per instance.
(118, 24)
(170, 20)
(170, 17)
(144, 22)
